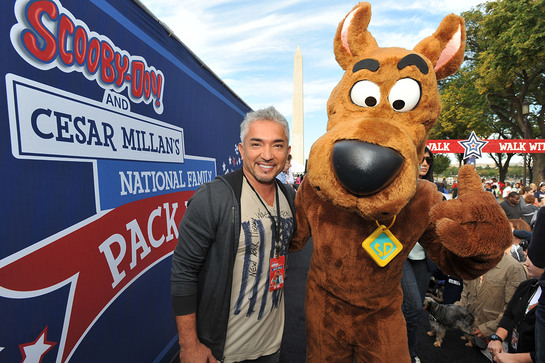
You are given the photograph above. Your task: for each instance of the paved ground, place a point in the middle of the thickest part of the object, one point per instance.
(293, 345)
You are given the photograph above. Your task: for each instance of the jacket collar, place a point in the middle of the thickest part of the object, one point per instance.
(234, 180)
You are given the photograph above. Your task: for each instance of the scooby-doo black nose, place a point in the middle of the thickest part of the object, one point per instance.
(365, 168)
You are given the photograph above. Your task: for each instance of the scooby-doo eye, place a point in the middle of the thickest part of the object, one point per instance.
(405, 95)
(365, 94)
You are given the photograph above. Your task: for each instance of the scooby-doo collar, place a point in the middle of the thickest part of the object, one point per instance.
(382, 245)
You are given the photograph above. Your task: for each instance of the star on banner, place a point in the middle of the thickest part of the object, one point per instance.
(35, 351)
(473, 146)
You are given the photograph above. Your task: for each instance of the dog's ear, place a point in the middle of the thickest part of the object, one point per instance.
(445, 48)
(352, 38)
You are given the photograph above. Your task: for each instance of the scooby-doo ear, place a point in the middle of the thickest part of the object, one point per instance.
(445, 48)
(352, 37)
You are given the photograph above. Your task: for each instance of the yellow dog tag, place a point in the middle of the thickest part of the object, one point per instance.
(382, 245)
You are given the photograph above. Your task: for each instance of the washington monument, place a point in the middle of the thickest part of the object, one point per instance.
(297, 134)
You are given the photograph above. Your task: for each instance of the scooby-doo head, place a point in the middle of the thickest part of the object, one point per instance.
(380, 115)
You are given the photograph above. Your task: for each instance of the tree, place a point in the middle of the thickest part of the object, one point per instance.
(503, 167)
(464, 109)
(440, 164)
(506, 47)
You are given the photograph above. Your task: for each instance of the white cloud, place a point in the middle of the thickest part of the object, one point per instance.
(431, 6)
(250, 44)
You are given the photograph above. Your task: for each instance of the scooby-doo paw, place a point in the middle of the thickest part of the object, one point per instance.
(437, 343)
(473, 228)
(431, 333)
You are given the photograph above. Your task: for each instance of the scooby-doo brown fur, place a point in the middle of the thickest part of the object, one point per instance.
(353, 306)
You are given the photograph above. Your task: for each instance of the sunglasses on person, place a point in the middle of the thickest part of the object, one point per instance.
(428, 159)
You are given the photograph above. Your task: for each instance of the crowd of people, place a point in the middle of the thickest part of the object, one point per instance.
(253, 208)
(504, 301)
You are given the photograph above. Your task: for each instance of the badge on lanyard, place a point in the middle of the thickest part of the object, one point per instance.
(382, 245)
(277, 273)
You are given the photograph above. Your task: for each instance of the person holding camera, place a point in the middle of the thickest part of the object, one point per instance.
(514, 339)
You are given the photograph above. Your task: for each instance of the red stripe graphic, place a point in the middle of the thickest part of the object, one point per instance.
(492, 146)
(107, 254)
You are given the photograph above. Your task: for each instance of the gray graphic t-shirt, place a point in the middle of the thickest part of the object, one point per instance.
(256, 318)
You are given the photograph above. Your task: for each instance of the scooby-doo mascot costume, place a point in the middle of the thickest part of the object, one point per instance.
(364, 206)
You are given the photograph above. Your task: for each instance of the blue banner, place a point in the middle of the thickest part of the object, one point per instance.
(109, 126)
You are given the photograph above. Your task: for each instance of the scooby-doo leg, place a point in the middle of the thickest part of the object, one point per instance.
(391, 343)
(337, 331)
(325, 340)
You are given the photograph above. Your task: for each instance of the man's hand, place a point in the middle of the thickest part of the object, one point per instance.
(495, 347)
(191, 349)
(198, 353)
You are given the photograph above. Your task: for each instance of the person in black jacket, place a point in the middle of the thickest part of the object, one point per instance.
(517, 326)
(536, 252)
(228, 266)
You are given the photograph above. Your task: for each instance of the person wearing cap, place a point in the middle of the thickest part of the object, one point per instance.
(540, 193)
(516, 250)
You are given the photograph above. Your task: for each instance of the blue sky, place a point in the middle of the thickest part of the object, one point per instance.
(250, 44)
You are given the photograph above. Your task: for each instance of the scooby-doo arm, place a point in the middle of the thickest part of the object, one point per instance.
(302, 234)
(468, 235)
